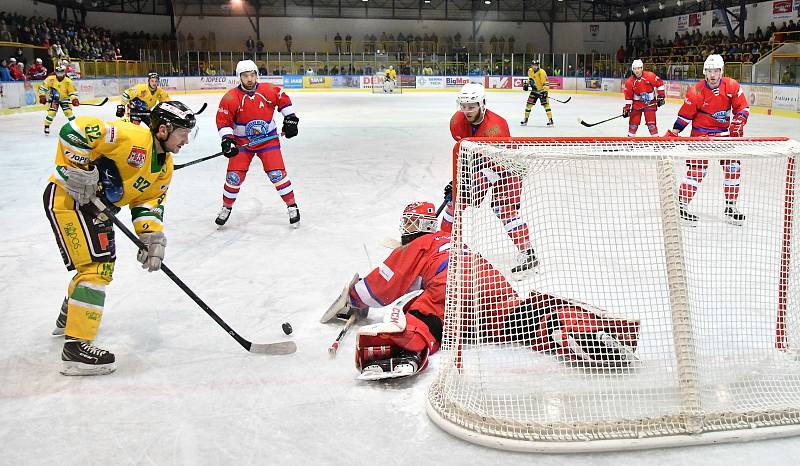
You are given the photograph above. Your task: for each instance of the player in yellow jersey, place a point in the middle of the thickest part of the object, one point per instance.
(58, 91)
(139, 99)
(131, 165)
(537, 82)
(390, 79)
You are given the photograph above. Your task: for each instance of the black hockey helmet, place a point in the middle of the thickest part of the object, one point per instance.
(535, 62)
(153, 74)
(174, 114)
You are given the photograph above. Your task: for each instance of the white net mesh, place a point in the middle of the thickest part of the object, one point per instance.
(636, 323)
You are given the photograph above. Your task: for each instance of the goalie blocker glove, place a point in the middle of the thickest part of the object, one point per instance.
(289, 128)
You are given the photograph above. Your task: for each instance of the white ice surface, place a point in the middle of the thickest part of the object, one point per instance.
(184, 391)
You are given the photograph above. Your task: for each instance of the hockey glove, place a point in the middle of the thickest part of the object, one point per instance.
(626, 111)
(671, 133)
(290, 126)
(81, 184)
(75, 102)
(448, 192)
(525, 86)
(42, 99)
(120, 111)
(229, 148)
(736, 128)
(660, 101)
(151, 257)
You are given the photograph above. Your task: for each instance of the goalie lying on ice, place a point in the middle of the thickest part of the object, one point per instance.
(413, 279)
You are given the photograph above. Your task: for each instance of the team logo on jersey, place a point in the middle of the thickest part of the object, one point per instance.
(256, 128)
(721, 117)
(137, 156)
(233, 179)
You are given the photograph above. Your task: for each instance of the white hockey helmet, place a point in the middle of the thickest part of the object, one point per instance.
(244, 66)
(714, 62)
(637, 64)
(472, 93)
(38, 61)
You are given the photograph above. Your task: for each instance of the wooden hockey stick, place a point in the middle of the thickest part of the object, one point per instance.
(209, 157)
(283, 347)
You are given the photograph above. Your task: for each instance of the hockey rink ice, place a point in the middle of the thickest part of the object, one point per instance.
(184, 392)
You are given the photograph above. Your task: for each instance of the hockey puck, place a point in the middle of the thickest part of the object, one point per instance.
(287, 328)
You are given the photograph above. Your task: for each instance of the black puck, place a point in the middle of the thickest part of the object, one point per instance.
(287, 328)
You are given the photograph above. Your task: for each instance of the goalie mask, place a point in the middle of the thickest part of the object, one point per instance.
(419, 218)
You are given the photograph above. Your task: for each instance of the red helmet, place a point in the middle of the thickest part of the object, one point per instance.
(418, 217)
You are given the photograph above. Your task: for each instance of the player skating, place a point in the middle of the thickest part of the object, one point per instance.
(133, 166)
(537, 83)
(708, 107)
(246, 117)
(139, 99)
(644, 93)
(473, 119)
(58, 91)
(390, 79)
(412, 327)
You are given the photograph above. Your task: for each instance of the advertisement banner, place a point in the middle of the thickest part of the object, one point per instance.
(497, 82)
(170, 84)
(348, 81)
(276, 80)
(430, 82)
(593, 84)
(683, 23)
(611, 85)
(758, 96)
(408, 81)
(674, 89)
(694, 20)
(785, 98)
(214, 82)
(459, 81)
(368, 81)
(293, 81)
(782, 9)
(317, 82)
(517, 82)
(555, 82)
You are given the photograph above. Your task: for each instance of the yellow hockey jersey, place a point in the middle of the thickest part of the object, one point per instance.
(142, 92)
(58, 90)
(391, 74)
(539, 79)
(145, 174)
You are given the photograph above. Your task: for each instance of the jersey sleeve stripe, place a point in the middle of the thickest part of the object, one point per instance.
(72, 138)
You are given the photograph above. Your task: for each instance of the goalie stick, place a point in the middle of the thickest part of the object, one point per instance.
(283, 347)
(335, 345)
(99, 104)
(209, 157)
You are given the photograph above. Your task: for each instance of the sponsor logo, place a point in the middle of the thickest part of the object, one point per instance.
(456, 81)
(316, 80)
(233, 179)
(137, 156)
(102, 238)
(79, 159)
(72, 234)
(111, 134)
(395, 315)
(213, 79)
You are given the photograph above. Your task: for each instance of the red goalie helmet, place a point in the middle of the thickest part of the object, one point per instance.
(418, 217)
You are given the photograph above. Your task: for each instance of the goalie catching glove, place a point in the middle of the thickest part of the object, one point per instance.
(400, 345)
(151, 257)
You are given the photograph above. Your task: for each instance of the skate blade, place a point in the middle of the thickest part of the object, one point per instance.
(71, 368)
(733, 222)
(396, 374)
(57, 332)
(295, 225)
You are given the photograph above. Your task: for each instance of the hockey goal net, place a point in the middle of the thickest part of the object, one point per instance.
(383, 86)
(713, 303)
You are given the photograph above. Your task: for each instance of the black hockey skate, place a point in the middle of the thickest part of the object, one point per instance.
(528, 262)
(550, 122)
(690, 219)
(294, 216)
(223, 215)
(80, 357)
(524, 122)
(61, 321)
(46, 130)
(732, 214)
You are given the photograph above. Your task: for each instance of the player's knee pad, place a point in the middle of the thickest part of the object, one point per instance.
(235, 178)
(276, 176)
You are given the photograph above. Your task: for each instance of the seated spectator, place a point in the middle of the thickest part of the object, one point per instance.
(211, 70)
(5, 74)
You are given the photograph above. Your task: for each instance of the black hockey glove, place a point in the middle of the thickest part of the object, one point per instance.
(120, 111)
(525, 86)
(229, 148)
(448, 192)
(660, 101)
(290, 125)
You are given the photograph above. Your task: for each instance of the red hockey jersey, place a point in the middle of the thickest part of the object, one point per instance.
(408, 268)
(709, 110)
(492, 126)
(249, 116)
(642, 92)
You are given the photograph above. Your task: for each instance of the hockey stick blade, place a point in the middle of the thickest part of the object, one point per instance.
(202, 109)
(589, 125)
(99, 104)
(562, 101)
(274, 349)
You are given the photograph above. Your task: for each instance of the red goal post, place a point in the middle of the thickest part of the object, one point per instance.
(718, 303)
